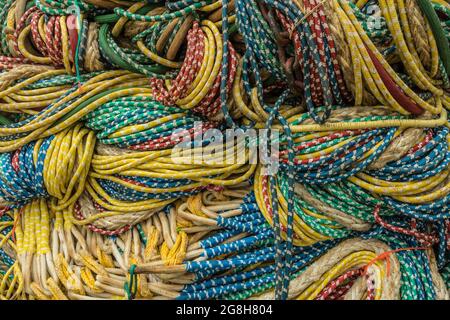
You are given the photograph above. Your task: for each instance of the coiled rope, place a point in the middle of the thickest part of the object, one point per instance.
(114, 183)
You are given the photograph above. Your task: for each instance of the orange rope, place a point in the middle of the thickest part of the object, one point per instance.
(386, 255)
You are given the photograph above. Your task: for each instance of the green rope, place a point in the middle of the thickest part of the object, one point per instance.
(438, 32)
(131, 287)
(80, 25)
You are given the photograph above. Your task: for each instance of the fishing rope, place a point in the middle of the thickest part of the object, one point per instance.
(118, 179)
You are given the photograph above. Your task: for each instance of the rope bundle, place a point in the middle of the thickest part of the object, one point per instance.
(114, 183)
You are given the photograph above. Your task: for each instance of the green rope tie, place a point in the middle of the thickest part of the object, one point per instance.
(131, 287)
(80, 25)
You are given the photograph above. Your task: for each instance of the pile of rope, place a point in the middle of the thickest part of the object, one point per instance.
(116, 181)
